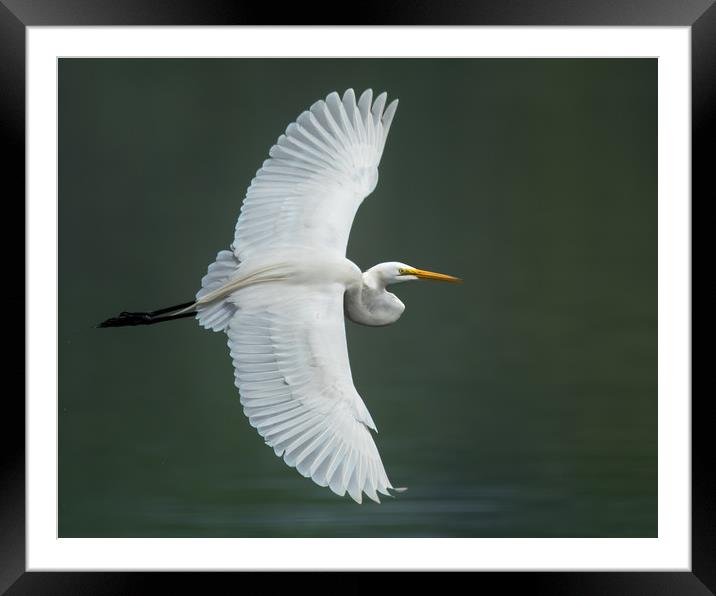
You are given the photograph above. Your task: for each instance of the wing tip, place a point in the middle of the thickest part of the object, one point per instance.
(390, 109)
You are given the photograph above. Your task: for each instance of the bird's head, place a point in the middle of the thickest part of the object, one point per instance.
(395, 273)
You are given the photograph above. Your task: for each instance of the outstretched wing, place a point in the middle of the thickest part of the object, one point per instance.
(288, 346)
(307, 193)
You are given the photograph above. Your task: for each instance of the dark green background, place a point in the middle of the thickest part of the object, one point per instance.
(522, 403)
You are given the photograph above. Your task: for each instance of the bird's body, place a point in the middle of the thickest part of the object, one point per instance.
(283, 290)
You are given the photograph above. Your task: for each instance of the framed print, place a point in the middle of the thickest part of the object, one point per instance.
(539, 414)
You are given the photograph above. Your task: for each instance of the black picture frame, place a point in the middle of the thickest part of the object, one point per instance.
(17, 15)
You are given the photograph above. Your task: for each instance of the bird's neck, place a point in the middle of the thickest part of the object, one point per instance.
(373, 280)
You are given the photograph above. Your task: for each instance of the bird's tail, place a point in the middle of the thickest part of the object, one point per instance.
(225, 276)
(214, 313)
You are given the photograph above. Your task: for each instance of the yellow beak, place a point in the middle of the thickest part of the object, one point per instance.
(419, 273)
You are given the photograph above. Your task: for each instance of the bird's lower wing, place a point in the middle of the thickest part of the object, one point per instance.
(289, 350)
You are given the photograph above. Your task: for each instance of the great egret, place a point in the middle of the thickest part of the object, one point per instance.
(283, 289)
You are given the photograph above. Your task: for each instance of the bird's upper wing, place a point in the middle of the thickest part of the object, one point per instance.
(288, 345)
(307, 193)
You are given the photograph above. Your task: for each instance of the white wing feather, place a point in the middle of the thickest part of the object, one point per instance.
(288, 346)
(307, 193)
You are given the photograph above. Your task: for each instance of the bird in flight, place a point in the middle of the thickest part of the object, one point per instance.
(283, 289)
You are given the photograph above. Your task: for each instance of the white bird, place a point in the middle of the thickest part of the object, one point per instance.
(282, 291)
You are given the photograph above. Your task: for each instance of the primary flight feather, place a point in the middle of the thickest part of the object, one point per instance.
(282, 292)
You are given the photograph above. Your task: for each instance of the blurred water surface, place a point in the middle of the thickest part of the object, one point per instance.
(520, 404)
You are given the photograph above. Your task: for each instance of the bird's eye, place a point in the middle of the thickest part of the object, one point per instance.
(401, 272)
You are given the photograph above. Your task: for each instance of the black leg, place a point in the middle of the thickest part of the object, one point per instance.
(162, 311)
(126, 319)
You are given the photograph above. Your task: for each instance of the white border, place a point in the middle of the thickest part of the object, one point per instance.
(670, 551)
